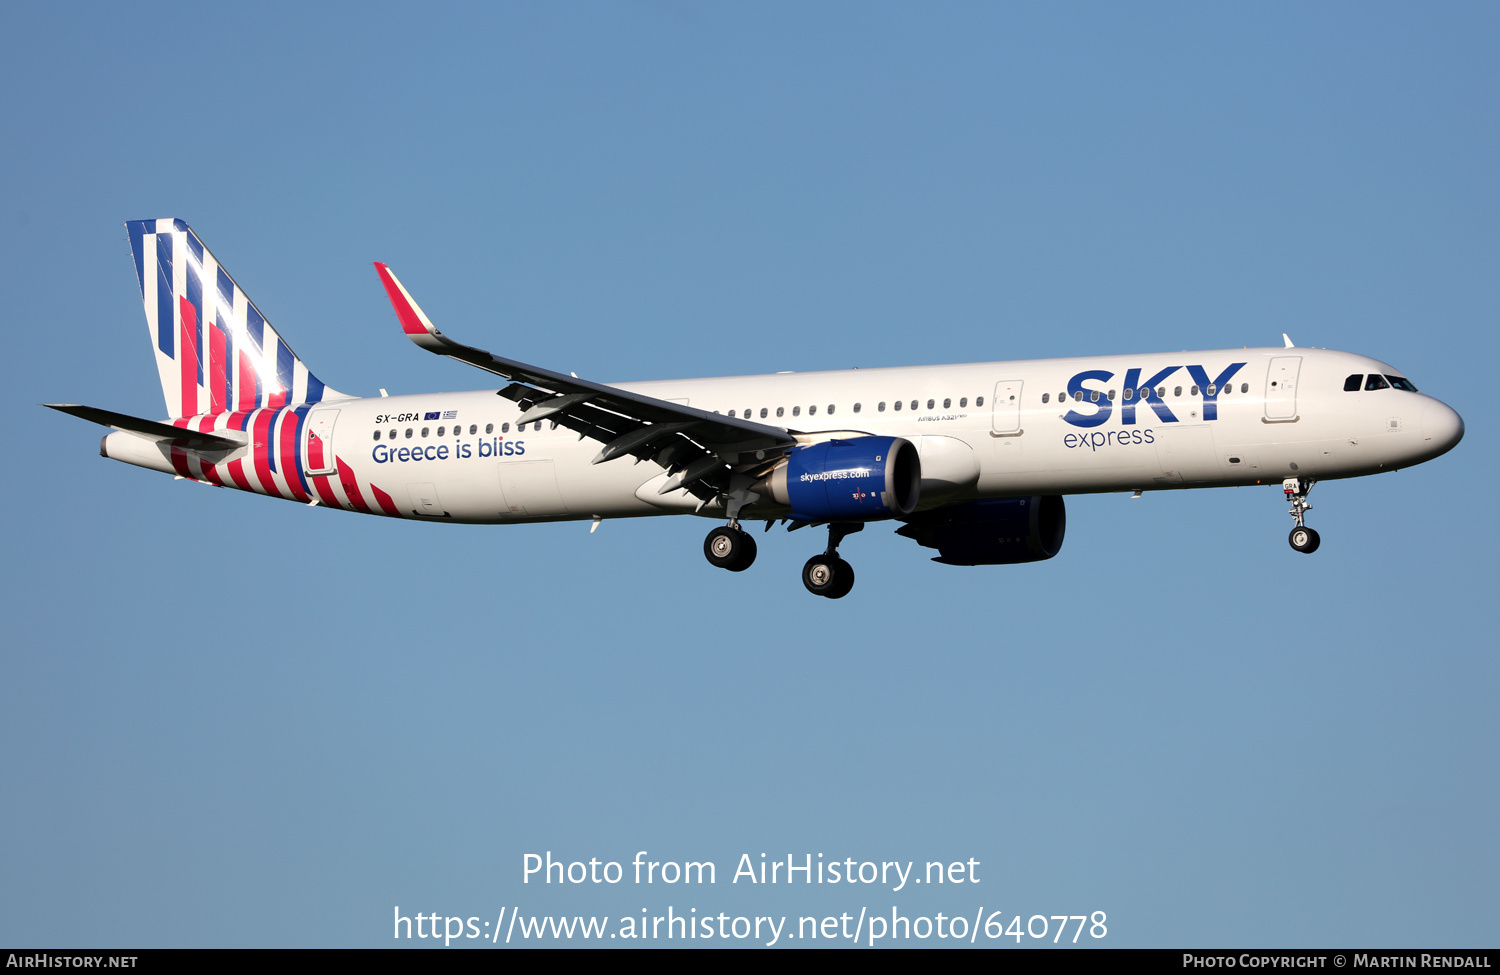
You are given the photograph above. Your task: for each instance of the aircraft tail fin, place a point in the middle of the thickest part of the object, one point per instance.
(215, 352)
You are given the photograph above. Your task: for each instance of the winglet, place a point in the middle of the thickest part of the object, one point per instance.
(417, 326)
(1284, 337)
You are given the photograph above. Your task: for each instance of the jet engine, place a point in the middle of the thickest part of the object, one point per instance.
(858, 479)
(992, 531)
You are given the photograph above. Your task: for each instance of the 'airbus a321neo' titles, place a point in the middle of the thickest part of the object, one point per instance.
(971, 460)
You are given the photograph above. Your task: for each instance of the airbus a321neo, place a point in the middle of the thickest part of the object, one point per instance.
(970, 460)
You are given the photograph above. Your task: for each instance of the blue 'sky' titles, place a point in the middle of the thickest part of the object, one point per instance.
(1147, 392)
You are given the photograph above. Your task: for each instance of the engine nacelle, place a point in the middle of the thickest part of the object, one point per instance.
(993, 531)
(859, 479)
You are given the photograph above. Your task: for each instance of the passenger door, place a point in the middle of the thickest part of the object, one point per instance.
(1281, 387)
(1006, 409)
(318, 444)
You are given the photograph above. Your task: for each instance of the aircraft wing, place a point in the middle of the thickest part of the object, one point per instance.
(700, 448)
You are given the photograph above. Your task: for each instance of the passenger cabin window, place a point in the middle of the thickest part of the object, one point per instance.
(1244, 387)
(1046, 397)
(880, 407)
(963, 403)
(898, 406)
(762, 412)
(1376, 381)
(979, 401)
(1351, 385)
(796, 411)
(856, 407)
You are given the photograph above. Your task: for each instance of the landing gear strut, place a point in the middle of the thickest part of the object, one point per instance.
(1302, 538)
(827, 574)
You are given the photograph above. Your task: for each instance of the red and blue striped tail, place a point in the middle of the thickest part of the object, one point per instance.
(215, 351)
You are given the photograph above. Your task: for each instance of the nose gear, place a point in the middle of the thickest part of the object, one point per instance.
(1302, 538)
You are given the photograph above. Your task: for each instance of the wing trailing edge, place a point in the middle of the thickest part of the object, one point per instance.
(679, 438)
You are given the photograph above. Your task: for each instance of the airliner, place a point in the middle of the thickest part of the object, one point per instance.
(969, 460)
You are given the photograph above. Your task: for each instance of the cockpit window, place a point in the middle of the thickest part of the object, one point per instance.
(1400, 382)
(1376, 381)
(1351, 385)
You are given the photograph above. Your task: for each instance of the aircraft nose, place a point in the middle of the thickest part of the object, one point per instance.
(1442, 427)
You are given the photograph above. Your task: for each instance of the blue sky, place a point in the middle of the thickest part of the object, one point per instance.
(231, 721)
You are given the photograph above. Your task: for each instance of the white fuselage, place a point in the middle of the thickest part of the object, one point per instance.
(991, 429)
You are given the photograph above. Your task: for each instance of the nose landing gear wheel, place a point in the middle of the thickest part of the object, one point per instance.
(826, 575)
(1304, 540)
(730, 548)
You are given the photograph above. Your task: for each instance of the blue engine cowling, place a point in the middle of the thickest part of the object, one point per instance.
(993, 531)
(859, 479)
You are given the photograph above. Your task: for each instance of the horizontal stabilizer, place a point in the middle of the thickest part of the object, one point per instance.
(147, 428)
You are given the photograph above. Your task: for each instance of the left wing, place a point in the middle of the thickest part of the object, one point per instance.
(703, 451)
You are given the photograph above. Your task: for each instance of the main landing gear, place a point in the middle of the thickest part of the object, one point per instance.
(827, 574)
(731, 547)
(1302, 538)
